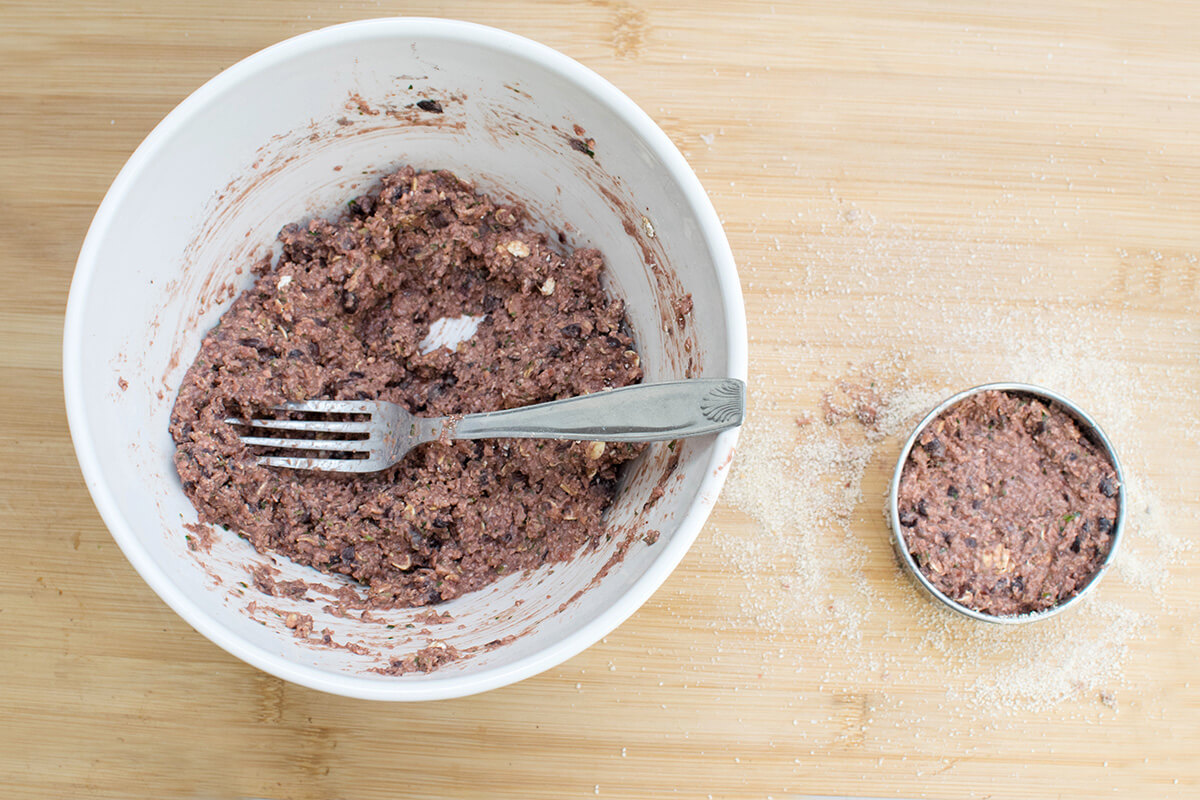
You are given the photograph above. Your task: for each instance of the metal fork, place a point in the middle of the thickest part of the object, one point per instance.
(644, 413)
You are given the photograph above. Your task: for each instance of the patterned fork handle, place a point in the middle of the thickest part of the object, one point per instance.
(648, 412)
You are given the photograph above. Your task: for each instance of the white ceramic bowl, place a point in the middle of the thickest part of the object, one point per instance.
(295, 131)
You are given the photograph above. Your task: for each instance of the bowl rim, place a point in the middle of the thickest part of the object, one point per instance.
(1090, 428)
(433, 686)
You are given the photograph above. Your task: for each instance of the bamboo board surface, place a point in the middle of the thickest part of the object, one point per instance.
(953, 182)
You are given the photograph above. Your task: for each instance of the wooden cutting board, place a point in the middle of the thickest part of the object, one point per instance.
(961, 190)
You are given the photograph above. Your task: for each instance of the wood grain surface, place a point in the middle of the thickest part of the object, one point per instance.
(1039, 160)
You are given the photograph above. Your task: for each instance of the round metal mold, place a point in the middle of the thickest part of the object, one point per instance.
(1087, 426)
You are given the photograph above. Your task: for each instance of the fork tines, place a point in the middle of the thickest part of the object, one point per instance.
(352, 454)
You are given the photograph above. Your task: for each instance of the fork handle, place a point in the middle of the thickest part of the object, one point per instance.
(648, 412)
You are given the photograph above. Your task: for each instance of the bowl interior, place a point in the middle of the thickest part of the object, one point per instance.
(296, 131)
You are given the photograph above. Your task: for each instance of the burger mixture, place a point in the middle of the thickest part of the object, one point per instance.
(342, 315)
(1006, 506)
